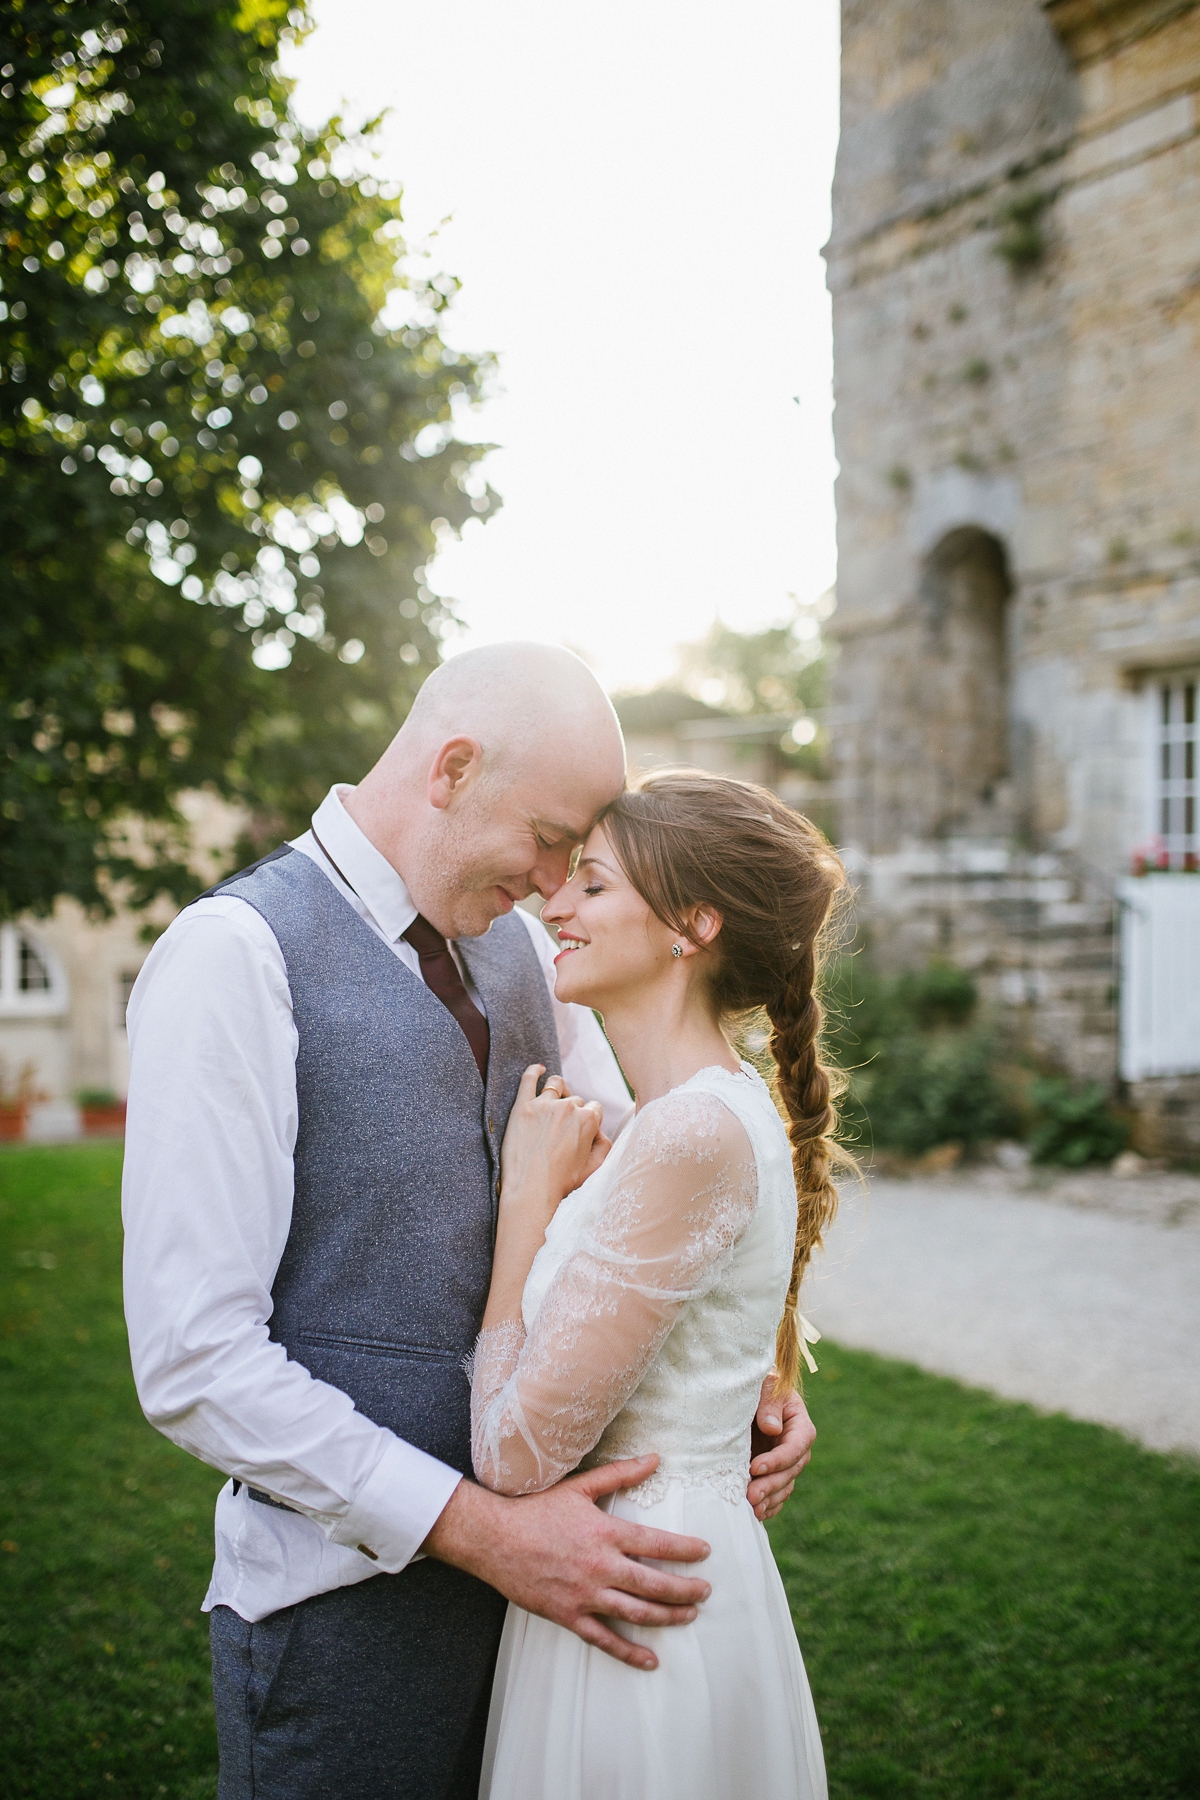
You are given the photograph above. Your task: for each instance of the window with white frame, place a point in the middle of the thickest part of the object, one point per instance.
(1176, 755)
(125, 981)
(32, 982)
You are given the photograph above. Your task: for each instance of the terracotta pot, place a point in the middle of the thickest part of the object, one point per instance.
(12, 1123)
(104, 1121)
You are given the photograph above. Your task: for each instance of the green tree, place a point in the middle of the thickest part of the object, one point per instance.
(227, 442)
(781, 669)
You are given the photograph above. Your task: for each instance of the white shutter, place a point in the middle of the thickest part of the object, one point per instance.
(1160, 975)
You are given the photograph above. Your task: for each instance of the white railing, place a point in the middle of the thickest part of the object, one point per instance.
(1160, 975)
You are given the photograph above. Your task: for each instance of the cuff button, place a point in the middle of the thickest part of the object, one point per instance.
(370, 1553)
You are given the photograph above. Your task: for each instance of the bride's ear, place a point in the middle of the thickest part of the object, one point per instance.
(705, 922)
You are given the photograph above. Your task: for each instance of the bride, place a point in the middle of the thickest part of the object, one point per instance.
(638, 1290)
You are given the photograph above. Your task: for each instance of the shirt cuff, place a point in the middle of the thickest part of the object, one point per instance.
(397, 1506)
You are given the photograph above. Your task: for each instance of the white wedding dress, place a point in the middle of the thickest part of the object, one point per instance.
(649, 1323)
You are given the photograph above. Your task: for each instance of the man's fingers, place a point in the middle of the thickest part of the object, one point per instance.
(620, 1605)
(663, 1546)
(767, 1487)
(593, 1631)
(782, 1460)
(610, 1478)
(783, 1456)
(660, 1587)
(769, 1417)
(767, 1505)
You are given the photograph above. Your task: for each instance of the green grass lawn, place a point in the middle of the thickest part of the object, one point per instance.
(990, 1603)
(106, 1528)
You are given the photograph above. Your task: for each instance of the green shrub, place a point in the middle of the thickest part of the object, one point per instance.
(1073, 1125)
(922, 1070)
(1021, 241)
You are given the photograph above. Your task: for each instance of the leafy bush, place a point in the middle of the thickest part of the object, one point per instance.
(1073, 1125)
(922, 1072)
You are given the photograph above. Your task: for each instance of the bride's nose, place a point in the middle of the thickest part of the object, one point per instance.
(558, 908)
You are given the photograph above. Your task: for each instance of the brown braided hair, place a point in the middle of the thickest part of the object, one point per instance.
(685, 838)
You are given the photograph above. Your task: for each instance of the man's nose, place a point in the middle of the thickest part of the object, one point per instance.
(550, 871)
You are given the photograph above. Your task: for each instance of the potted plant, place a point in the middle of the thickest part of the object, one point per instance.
(15, 1102)
(103, 1114)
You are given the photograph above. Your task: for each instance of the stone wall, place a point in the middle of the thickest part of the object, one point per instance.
(1015, 270)
(78, 1040)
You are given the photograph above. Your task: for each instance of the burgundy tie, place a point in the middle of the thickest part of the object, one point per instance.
(440, 974)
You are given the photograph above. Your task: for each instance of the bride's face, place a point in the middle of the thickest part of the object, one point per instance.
(610, 940)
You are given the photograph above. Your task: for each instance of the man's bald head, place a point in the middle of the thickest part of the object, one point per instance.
(508, 755)
(522, 702)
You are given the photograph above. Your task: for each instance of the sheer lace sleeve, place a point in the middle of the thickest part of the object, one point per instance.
(685, 1192)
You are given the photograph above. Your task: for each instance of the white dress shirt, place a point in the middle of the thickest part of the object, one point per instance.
(207, 1206)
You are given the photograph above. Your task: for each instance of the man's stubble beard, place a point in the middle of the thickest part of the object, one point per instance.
(462, 893)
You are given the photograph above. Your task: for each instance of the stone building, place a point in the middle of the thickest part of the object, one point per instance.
(1015, 272)
(64, 985)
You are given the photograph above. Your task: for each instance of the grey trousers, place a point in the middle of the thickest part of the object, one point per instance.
(373, 1692)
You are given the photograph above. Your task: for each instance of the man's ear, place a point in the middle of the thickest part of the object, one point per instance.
(455, 765)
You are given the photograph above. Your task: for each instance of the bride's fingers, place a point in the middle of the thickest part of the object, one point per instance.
(593, 1631)
(527, 1087)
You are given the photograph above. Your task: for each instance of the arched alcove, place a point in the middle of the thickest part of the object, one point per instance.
(963, 680)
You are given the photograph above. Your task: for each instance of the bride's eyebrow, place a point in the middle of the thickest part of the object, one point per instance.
(594, 862)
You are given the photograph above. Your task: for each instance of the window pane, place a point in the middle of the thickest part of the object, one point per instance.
(1189, 703)
(34, 977)
(125, 981)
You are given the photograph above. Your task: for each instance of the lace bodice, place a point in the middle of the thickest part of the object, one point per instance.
(649, 1314)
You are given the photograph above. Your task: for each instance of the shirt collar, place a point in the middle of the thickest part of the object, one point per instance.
(366, 869)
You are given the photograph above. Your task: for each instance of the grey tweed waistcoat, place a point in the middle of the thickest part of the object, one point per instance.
(383, 1280)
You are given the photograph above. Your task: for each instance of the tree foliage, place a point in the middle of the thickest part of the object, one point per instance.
(781, 669)
(227, 442)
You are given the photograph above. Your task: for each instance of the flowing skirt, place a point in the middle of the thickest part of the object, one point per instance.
(726, 1714)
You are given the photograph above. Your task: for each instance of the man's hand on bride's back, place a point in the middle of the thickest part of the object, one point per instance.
(553, 1142)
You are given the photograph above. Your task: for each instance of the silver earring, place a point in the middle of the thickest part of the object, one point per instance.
(676, 949)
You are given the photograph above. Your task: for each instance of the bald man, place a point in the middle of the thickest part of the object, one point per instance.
(324, 1052)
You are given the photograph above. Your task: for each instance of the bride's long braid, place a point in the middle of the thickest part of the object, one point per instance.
(686, 839)
(806, 1089)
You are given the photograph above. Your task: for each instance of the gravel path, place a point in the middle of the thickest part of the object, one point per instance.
(1081, 1295)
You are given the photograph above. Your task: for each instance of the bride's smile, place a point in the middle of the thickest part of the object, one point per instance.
(611, 943)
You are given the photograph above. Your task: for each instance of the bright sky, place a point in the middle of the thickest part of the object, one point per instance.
(637, 197)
